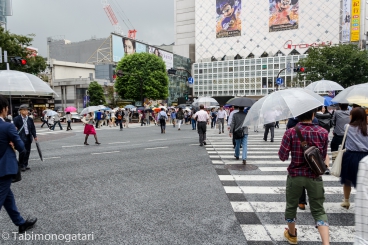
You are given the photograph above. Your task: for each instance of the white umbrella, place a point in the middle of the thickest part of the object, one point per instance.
(357, 94)
(206, 101)
(324, 86)
(281, 105)
(90, 109)
(51, 113)
(21, 83)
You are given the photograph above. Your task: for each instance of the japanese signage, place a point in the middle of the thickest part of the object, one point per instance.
(355, 20)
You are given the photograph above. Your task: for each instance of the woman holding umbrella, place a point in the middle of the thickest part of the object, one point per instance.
(89, 128)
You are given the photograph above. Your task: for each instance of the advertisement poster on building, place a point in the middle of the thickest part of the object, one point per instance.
(284, 15)
(167, 57)
(346, 16)
(131, 46)
(117, 48)
(228, 18)
(355, 21)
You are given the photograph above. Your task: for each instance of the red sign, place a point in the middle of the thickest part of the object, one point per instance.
(290, 45)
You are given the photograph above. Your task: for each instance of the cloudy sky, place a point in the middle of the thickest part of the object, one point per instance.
(79, 20)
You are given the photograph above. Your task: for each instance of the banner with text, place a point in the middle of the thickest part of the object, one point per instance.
(167, 57)
(346, 16)
(355, 21)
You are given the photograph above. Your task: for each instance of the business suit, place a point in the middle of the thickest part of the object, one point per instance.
(8, 168)
(26, 138)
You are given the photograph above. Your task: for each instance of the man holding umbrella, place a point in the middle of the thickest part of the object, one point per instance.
(27, 131)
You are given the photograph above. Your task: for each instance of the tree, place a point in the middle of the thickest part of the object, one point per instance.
(142, 75)
(344, 64)
(96, 94)
(111, 95)
(16, 45)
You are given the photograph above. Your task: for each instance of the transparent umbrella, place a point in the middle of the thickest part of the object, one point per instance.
(281, 105)
(324, 86)
(206, 101)
(21, 83)
(357, 94)
(90, 109)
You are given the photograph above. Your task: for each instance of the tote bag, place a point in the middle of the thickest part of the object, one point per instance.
(337, 163)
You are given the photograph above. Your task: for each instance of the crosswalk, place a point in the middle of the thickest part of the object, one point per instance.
(258, 196)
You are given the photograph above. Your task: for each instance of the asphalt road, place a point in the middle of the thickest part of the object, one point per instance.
(138, 187)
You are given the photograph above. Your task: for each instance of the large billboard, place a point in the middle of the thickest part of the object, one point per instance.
(355, 21)
(167, 57)
(284, 15)
(346, 17)
(122, 46)
(228, 18)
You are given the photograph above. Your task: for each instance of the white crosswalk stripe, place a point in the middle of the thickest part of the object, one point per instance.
(261, 192)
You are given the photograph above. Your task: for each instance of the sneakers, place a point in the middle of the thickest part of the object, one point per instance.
(327, 172)
(345, 203)
(291, 239)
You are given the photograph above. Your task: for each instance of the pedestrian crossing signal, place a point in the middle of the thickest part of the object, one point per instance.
(186, 96)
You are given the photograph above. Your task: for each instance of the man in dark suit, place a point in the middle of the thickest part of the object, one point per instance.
(9, 138)
(27, 131)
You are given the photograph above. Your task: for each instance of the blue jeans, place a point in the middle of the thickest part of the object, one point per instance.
(57, 122)
(194, 124)
(7, 200)
(243, 142)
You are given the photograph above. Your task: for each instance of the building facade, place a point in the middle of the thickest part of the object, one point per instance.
(241, 46)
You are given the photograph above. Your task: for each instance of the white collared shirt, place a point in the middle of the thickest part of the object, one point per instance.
(221, 113)
(202, 116)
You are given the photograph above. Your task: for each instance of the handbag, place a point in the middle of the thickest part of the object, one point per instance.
(239, 133)
(337, 163)
(312, 155)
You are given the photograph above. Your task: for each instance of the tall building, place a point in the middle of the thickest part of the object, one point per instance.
(241, 46)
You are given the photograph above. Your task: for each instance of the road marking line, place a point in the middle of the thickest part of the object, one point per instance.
(118, 142)
(48, 158)
(106, 152)
(66, 146)
(157, 139)
(163, 147)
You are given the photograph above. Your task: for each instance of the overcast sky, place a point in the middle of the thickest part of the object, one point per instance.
(79, 20)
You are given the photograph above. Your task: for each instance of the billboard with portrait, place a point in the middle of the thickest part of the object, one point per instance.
(283, 15)
(117, 48)
(167, 57)
(228, 18)
(346, 16)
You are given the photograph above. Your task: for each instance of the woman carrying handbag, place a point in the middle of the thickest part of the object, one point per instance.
(356, 146)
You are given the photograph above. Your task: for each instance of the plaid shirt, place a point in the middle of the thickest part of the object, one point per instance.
(314, 135)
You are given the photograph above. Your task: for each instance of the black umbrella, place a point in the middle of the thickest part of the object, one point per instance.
(148, 110)
(182, 106)
(140, 108)
(39, 150)
(241, 101)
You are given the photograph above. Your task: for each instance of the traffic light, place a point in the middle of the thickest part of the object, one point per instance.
(171, 71)
(186, 96)
(299, 69)
(18, 61)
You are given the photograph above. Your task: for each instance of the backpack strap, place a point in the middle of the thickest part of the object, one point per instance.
(303, 143)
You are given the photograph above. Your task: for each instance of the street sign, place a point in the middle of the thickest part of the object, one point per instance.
(190, 80)
(279, 81)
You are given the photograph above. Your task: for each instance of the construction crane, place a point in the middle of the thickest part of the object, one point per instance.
(114, 21)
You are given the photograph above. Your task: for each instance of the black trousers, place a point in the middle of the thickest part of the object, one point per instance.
(163, 125)
(336, 141)
(202, 128)
(24, 156)
(269, 126)
(120, 122)
(69, 127)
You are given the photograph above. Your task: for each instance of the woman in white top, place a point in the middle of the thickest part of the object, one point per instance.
(356, 146)
(89, 128)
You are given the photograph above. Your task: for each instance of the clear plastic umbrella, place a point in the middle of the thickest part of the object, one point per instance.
(357, 94)
(281, 105)
(324, 86)
(90, 109)
(21, 83)
(206, 101)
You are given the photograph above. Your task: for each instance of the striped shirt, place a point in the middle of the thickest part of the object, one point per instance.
(202, 116)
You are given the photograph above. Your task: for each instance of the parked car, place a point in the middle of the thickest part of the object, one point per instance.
(75, 117)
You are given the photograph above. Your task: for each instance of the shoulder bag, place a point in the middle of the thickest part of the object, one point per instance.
(337, 163)
(312, 155)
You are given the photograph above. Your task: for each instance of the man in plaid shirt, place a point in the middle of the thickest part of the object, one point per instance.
(300, 175)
